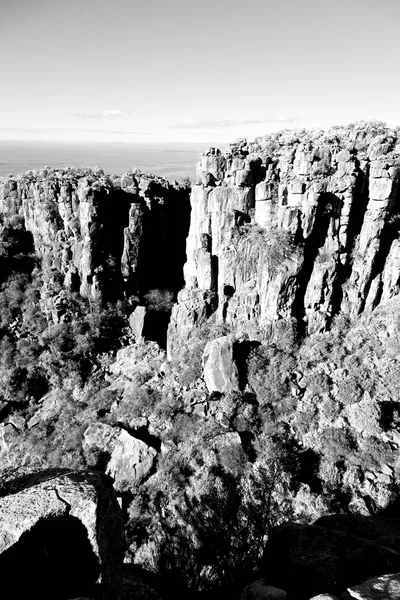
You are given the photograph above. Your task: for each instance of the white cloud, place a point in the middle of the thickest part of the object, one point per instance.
(216, 124)
(114, 112)
(105, 114)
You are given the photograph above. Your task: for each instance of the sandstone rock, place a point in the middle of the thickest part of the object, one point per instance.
(219, 368)
(130, 459)
(61, 530)
(94, 231)
(133, 360)
(259, 590)
(385, 587)
(136, 321)
(50, 406)
(327, 192)
(195, 307)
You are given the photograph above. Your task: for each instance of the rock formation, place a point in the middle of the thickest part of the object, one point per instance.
(103, 236)
(386, 587)
(220, 371)
(266, 409)
(130, 459)
(60, 532)
(295, 226)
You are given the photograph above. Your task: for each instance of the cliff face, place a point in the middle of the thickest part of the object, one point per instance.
(296, 226)
(105, 237)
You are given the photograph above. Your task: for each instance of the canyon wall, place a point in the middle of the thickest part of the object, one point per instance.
(104, 237)
(291, 228)
(296, 226)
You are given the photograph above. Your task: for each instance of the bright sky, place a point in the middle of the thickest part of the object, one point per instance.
(194, 70)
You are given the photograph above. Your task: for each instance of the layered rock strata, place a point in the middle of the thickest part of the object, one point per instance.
(295, 226)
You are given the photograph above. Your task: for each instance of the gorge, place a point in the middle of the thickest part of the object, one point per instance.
(221, 358)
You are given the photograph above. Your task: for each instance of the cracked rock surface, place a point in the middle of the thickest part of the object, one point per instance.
(81, 508)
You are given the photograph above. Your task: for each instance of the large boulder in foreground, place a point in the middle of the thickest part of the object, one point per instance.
(60, 533)
(130, 459)
(219, 368)
(306, 560)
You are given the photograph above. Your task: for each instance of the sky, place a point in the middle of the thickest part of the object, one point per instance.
(192, 71)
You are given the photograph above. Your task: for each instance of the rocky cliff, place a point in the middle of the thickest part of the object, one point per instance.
(280, 401)
(296, 226)
(104, 237)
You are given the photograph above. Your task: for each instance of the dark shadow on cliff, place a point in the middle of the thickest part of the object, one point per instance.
(241, 352)
(328, 206)
(163, 251)
(108, 230)
(17, 251)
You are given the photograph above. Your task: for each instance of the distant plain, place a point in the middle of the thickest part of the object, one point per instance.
(169, 160)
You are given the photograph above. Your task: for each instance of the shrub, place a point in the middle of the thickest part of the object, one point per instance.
(159, 300)
(275, 246)
(207, 539)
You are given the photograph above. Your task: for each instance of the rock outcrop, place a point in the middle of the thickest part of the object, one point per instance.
(295, 226)
(60, 532)
(220, 370)
(130, 459)
(386, 587)
(102, 236)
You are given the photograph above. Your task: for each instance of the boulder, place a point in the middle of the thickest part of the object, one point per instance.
(50, 407)
(259, 590)
(60, 531)
(306, 560)
(324, 597)
(136, 321)
(130, 459)
(219, 368)
(384, 531)
(385, 587)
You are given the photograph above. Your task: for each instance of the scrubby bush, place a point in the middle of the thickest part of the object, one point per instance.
(205, 535)
(159, 300)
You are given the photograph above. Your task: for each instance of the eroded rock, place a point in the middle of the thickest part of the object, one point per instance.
(129, 460)
(297, 225)
(219, 368)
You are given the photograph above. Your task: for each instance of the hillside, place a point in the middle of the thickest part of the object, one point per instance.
(230, 359)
